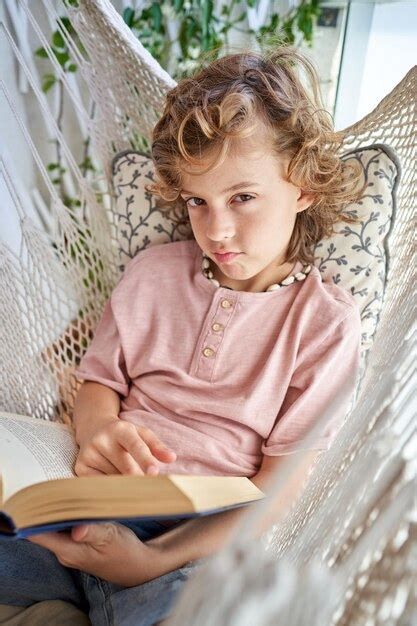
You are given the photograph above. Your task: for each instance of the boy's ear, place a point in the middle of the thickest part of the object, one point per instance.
(304, 200)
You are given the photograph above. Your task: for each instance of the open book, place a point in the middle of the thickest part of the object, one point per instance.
(39, 490)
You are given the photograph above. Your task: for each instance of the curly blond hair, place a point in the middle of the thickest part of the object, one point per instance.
(226, 100)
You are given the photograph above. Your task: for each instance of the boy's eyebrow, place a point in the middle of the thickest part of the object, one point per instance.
(242, 184)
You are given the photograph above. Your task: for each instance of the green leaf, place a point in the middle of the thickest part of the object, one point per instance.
(52, 166)
(41, 52)
(87, 164)
(156, 16)
(62, 57)
(207, 13)
(58, 40)
(146, 14)
(183, 37)
(129, 16)
(67, 24)
(305, 22)
(48, 81)
(71, 67)
(241, 17)
(274, 21)
(178, 5)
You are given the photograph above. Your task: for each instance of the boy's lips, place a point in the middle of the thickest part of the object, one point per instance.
(226, 257)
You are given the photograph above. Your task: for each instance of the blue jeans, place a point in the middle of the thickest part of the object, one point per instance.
(30, 573)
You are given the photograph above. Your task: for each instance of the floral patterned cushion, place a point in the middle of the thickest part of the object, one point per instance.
(355, 257)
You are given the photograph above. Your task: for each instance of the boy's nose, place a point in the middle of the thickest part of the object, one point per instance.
(220, 227)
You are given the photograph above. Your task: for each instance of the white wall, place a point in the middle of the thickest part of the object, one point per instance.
(380, 47)
(392, 51)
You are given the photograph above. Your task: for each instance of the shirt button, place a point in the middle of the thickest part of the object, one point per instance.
(226, 304)
(217, 327)
(208, 352)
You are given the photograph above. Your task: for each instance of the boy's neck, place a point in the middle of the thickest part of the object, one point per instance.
(258, 283)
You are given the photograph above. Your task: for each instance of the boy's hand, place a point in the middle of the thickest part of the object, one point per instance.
(108, 550)
(121, 447)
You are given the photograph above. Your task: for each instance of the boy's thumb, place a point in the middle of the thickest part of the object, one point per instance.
(80, 533)
(98, 534)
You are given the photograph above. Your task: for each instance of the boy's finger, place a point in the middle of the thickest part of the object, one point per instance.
(164, 454)
(124, 461)
(93, 462)
(52, 541)
(68, 552)
(96, 534)
(158, 448)
(90, 471)
(133, 443)
(117, 455)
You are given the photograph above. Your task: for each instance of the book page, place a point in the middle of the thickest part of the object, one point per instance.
(33, 450)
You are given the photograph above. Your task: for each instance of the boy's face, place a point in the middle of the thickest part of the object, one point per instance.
(256, 220)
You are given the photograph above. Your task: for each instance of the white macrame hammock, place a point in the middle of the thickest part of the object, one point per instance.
(346, 552)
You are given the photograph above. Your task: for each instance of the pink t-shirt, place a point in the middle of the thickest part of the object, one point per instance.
(277, 360)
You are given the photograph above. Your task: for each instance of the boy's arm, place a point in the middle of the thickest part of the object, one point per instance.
(200, 537)
(109, 445)
(113, 552)
(95, 405)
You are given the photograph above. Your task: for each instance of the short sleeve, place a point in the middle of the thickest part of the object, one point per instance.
(104, 362)
(320, 390)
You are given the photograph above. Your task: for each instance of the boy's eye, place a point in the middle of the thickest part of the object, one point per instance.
(189, 200)
(200, 201)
